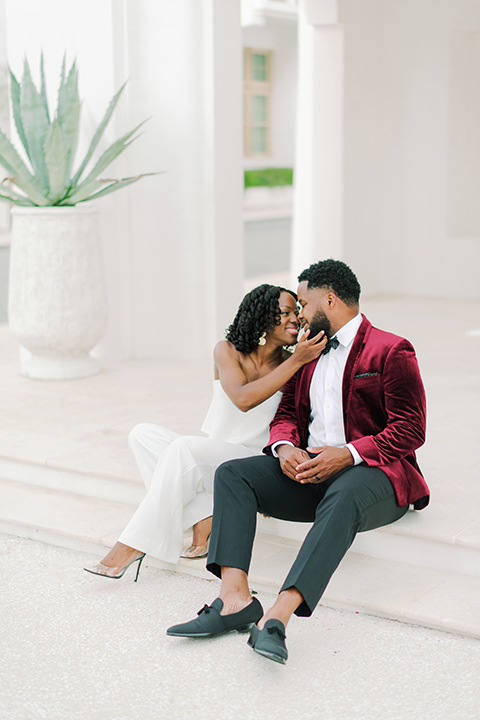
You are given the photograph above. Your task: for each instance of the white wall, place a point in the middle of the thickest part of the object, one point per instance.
(281, 38)
(405, 229)
(83, 30)
(172, 243)
(464, 133)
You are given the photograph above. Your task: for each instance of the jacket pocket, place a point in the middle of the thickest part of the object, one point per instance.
(367, 386)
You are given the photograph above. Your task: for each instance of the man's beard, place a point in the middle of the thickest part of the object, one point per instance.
(319, 322)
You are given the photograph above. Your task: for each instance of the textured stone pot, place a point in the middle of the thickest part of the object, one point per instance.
(57, 305)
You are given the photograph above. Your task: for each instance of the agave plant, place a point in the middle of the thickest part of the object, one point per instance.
(51, 145)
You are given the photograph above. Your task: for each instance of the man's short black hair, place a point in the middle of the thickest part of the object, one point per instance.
(337, 276)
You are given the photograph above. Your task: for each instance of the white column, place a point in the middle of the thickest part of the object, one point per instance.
(182, 277)
(224, 161)
(318, 197)
(4, 125)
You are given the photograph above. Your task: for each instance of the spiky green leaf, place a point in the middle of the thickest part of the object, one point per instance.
(10, 195)
(43, 87)
(17, 115)
(13, 163)
(106, 159)
(55, 160)
(108, 187)
(22, 203)
(35, 124)
(62, 75)
(71, 81)
(82, 192)
(117, 185)
(68, 116)
(97, 136)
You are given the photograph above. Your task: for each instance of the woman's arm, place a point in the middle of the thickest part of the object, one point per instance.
(246, 395)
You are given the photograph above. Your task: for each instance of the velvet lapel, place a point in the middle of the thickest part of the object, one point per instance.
(352, 361)
(303, 394)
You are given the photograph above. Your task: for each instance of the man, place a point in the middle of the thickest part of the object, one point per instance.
(342, 455)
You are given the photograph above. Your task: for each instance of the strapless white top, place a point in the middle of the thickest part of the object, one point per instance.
(224, 421)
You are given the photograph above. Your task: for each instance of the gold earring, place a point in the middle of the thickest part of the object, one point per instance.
(261, 339)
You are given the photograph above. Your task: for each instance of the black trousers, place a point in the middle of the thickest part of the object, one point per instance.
(357, 499)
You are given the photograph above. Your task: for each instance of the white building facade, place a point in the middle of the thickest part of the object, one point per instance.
(387, 167)
(376, 103)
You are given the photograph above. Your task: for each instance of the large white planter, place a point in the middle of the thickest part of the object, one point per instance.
(57, 305)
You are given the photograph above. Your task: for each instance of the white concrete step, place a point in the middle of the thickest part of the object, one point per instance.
(413, 539)
(94, 482)
(385, 587)
(441, 537)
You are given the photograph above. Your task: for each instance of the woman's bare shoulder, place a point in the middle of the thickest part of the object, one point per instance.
(227, 356)
(226, 353)
(224, 348)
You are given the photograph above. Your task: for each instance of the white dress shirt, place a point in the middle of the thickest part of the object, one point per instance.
(326, 417)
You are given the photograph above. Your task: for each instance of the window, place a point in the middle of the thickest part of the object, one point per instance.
(256, 102)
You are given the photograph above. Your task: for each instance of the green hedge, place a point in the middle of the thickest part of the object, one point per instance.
(268, 177)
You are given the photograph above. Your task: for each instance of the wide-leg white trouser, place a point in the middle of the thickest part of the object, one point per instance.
(178, 473)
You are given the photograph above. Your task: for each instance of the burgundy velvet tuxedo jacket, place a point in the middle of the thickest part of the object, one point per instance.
(383, 409)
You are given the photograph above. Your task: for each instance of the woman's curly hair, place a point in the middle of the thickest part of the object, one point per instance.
(258, 312)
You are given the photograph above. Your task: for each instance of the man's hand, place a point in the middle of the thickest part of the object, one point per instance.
(290, 458)
(328, 462)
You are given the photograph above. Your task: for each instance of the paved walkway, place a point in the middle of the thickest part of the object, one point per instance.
(77, 647)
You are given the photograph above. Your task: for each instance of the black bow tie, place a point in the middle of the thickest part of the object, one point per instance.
(332, 344)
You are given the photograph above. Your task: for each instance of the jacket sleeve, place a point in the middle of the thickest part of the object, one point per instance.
(284, 425)
(405, 408)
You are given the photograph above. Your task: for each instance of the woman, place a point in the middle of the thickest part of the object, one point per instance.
(251, 368)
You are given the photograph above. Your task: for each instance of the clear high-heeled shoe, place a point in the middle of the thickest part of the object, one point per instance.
(112, 572)
(196, 551)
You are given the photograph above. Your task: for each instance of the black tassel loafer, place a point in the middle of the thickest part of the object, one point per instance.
(210, 622)
(270, 641)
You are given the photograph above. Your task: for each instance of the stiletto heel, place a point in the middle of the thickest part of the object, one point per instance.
(109, 572)
(138, 566)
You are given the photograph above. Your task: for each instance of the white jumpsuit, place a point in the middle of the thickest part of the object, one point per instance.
(178, 471)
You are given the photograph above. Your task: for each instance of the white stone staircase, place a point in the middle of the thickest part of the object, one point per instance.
(68, 478)
(406, 571)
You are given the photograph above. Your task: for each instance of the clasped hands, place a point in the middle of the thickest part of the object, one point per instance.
(299, 466)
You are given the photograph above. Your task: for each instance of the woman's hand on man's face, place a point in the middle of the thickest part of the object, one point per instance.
(308, 349)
